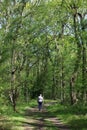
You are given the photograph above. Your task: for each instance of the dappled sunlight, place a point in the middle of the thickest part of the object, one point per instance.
(43, 120)
(43, 64)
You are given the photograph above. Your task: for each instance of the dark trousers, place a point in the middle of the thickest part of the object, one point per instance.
(39, 105)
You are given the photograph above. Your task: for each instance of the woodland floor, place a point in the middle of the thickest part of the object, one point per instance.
(42, 120)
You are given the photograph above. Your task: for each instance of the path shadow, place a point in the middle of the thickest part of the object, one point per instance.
(43, 125)
(43, 120)
(35, 113)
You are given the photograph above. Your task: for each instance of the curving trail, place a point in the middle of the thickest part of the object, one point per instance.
(36, 120)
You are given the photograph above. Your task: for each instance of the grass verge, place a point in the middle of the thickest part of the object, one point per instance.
(74, 116)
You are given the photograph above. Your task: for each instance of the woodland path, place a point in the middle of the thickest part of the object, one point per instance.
(42, 120)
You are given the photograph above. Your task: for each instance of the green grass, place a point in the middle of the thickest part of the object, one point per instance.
(74, 116)
(10, 120)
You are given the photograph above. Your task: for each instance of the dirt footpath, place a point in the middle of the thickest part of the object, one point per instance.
(43, 120)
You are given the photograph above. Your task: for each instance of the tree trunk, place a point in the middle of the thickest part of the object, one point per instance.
(62, 81)
(84, 78)
(13, 77)
(72, 89)
(77, 63)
